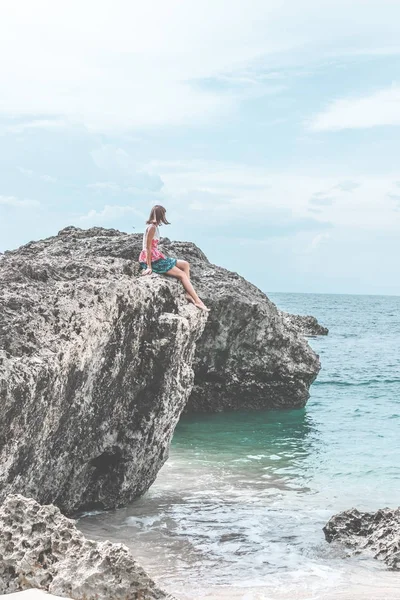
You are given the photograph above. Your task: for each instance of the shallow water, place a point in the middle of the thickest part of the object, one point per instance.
(238, 509)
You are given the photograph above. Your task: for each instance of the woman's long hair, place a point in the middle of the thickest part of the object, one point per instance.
(157, 216)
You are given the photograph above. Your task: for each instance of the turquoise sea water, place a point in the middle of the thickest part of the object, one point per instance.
(237, 510)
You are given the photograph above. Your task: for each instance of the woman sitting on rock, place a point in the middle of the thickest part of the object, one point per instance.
(152, 260)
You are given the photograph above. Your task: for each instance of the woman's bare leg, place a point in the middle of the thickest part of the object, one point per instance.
(184, 266)
(182, 276)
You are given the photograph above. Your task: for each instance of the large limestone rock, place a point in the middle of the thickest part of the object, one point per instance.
(376, 533)
(40, 548)
(251, 356)
(95, 370)
(96, 363)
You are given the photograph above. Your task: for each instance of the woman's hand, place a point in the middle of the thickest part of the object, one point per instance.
(148, 271)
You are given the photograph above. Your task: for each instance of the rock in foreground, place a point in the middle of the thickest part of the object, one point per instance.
(377, 533)
(95, 370)
(41, 548)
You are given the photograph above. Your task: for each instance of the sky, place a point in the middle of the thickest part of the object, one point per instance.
(269, 129)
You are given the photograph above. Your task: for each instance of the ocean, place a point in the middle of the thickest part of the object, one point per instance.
(238, 509)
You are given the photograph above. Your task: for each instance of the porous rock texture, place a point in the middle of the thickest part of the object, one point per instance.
(41, 548)
(306, 324)
(96, 363)
(95, 370)
(377, 533)
(251, 356)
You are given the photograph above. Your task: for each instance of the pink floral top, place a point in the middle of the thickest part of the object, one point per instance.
(155, 252)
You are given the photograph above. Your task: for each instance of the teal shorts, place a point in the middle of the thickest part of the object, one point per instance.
(162, 265)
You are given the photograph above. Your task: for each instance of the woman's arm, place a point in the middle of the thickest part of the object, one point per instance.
(150, 236)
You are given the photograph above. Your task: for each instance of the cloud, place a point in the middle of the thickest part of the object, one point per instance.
(396, 200)
(318, 240)
(135, 65)
(104, 185)
(347, 186)
(327, 199)
(16, 203)
(380, 108)
(27, 172)
(320, 199)
(48, 178)
(119, 164)
(233, 193)
(32, 174)
(49, 124)
(109, 214)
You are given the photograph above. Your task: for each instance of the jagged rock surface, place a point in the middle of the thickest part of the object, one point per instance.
(250, 355)
(96, 363)
(40, 548)
(306, 324)
(95, 369)
(377, 533)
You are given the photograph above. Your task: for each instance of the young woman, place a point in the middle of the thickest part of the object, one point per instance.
(152, 260)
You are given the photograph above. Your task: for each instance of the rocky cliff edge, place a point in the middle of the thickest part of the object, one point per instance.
(97, 363)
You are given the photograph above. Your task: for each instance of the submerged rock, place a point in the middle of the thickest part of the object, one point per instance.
(40, 548)
(377, 533)
(96, 363)
(251, 356)
(306, 324)
(95, 370)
